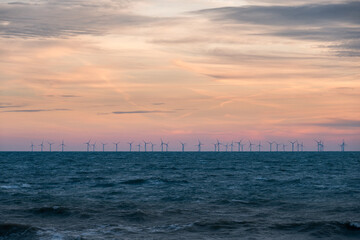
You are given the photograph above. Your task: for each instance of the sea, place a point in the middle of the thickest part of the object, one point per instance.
(175, 195)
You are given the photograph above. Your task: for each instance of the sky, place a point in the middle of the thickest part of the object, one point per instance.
(109, 71)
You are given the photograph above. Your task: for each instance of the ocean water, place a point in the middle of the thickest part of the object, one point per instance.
(73, 195)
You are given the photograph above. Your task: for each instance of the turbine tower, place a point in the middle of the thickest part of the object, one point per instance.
(116, 146)
(270, 143)
(218, 145)
(342, 146)
(94, 146)
(259, 146)
(292, 145)
(50, 144)
(42, 145)
(298, 146)
(167, 146)
(277, 146)
(215, 147)
(182, 146)
(226, 147)
(250, 145)
(62, 146)
(145, 144)
(232, 146)
(162, 145)
(32, 146)
(152, 146)
(88, 145)
(284, 147)
(139, 147)
(302, 146)
(199, 145)
(130, 145)
(103, 144)
(239, 145)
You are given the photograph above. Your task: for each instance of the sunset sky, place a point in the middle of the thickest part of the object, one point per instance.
(124, 70)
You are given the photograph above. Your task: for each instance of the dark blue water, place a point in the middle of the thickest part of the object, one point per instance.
(180, 195)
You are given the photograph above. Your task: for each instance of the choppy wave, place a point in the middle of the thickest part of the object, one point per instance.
(179, 196)
(17, 231)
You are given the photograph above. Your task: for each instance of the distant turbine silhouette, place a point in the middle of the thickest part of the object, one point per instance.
(130, 145)
(302, 146)
(259, 146)
(232, 146)
(42, 146)
(62, 145)
(167, 146)
(88, 145)
(162, 145)
(342, 146)
(270, 143)
(152, 146)
(292, 145)
(218, 145)
(182, 146)
(215, 147)
(277, 146)
(284, 147)
(242, 147)
(298, 146)
(103, 144)
(320, 145)
(50, 144)
(199, 145)
(116, 146)
(145, 144)
(250, 146)
(239, 145)
(226, 147)
(139, 147)
(94, 146)
(32, 146)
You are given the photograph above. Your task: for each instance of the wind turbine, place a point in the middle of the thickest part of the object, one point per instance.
(199, 145)
(88, 145)
(152, 146)
(116, 146)
(302, 146)
(62, 145)
(342, 146)
(250, 146)
(139, 147)
(226, 147)
(259, 146)
(94, 145)
(215, 147)
(239, 144)
(232, 146)
(130, 145)
(103, 144)
(145, 144)
(242, 147)
(32, 146)
(320, 145)
(277, 146)
(162, 145)
(298, 146)
(167, 146)
(284, 147)
(182, 146)
(42, 145)
(292, 145)
(218, 145)
(50, 144)
(271, 143)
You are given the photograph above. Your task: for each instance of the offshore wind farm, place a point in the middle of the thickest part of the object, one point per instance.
(180, 147)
